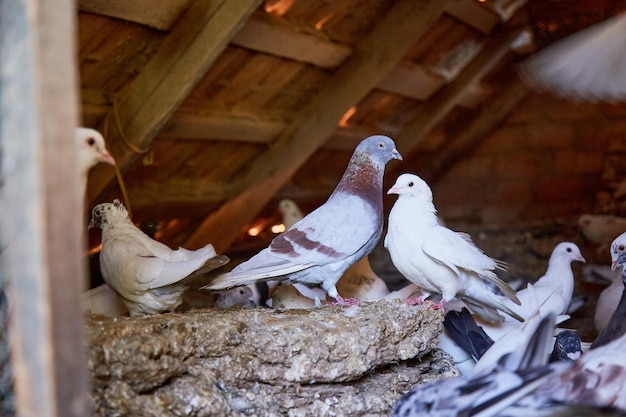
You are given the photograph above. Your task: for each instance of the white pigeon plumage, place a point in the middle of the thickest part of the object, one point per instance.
(148, 275)
(320, 247)
(91, 151)
(588, 65)
(439, 260)
(608, 300)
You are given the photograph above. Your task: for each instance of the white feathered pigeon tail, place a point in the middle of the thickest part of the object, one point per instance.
(148, 275)
(439, 260)
(322, 245)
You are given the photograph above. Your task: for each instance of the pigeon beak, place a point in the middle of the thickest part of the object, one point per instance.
(393, 190)
(92, 224)
(581, 259)
(107, 157)
(396, 154)
(614, 265)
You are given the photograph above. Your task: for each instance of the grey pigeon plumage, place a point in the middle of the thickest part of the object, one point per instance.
(148, 275)
(327, 241)
(440, 260)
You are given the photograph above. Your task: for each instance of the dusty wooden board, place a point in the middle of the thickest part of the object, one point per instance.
(42, 245)
(144, 106)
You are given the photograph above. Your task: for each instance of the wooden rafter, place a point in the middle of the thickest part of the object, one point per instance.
(371, 60)
(435, 110)
(491, 116)
(146, 104)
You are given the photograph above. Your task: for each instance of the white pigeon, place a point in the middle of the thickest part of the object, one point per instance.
(319, 248)
(440, 260)
(588, 65)
(148, 275)
(91, 151)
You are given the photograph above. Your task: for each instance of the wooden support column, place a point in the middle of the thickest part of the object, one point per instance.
(372, 59)
(41, 253)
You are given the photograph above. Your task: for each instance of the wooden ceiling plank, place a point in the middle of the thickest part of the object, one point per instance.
(411, 80)
(285, 41)
(491, 116)
(146, 104)
(380, 51)
(436, 109)
(474, 14)
(159, 14)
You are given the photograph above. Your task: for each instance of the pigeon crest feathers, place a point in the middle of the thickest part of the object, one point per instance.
(106, 214)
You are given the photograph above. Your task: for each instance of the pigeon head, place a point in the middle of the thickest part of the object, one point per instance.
(567, 347)
(567, 251)
(364, 174)
(618, 251)
(91, 149)
(412, 185)
(105, 214)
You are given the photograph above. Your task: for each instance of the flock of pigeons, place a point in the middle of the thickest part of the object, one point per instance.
(501, 339)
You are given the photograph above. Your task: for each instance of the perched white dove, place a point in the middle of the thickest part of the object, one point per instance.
(91, 150)
(327, 241)
(148, 275)
(588, 65)
(439, 260)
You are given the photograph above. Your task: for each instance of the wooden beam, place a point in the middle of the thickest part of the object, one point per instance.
(42, 247)
(387, 43)
(273, 36)
(474, 14)
(435, 110)
(492, 115)
(159, 14)
(146, 104)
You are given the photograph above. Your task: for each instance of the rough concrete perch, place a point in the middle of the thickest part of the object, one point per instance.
(261, 361)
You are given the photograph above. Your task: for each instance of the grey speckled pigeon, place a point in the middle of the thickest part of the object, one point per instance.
(327, 241)
(148, 275)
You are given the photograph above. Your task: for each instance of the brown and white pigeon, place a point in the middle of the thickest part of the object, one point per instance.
(440, 260)
(148, 275)
(327, 241)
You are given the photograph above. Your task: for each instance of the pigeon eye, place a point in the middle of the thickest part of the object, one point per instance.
(620, 247)
(569, 249)
(411, 184)
(381, 145)
(90, 141)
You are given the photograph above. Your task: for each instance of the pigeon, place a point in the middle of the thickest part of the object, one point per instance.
(322, 245)
(608, 301)
(523, 383)
(148, 275)
(515, 375)
(359, 281)
(103, 301)
(588, 65)
(616, 325)
(440, 260)
(567, 347)
(91, 151)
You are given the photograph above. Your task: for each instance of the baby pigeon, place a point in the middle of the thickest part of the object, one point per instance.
(440, 260)
(148, 275)
(327, 241)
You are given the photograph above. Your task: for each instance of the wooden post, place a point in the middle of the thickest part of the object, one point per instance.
(40, 206)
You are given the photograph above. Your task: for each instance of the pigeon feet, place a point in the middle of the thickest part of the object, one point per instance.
(340, 301)
(414, 301)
